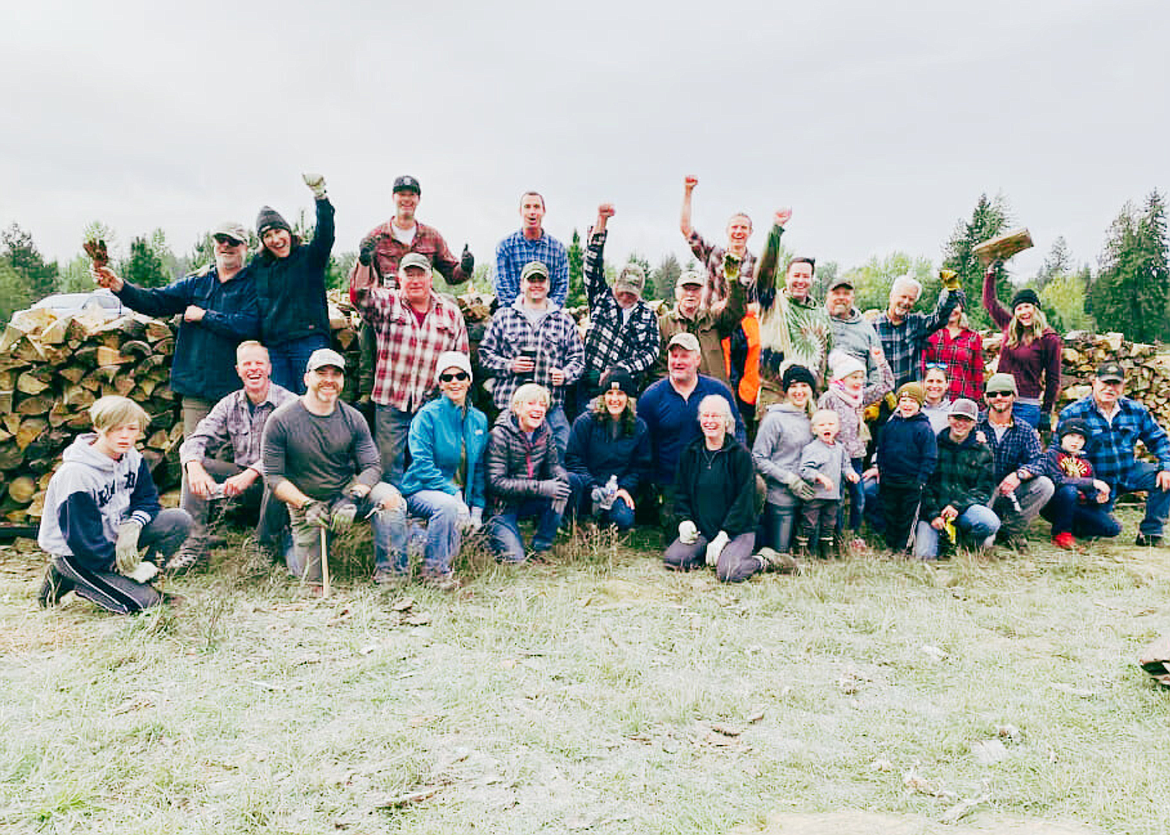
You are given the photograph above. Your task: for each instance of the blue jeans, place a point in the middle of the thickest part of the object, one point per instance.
(856, 500)
(620, 514)
(559, 424)
(1026, 412)
(978, 523)
(872, 506)
(441, 510)
(391, 431)
(290, 358)
(1142, 475)
(1069, 515)
(504, 528)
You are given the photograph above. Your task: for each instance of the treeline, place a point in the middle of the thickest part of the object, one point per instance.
(1127, 291)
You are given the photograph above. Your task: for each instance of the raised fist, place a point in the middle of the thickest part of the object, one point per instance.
(782, 216)
(690, 181)
(605, 210)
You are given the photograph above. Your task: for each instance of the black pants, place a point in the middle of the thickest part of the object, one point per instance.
(818, 520)
(900, 504)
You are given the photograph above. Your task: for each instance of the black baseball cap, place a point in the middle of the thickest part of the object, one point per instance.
(407, 183)
(1110, 372)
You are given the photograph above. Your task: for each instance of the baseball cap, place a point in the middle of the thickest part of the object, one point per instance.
(533, 268)
(414, 259)
(684, 340)
(965, 407)
(630, 280)
(323, 357)
(1110, 372)
(232, 230)
(841, 281)
(1001, 383)
(690, 278)
(406, 183)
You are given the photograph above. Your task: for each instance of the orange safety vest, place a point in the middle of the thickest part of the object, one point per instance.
(749, 383)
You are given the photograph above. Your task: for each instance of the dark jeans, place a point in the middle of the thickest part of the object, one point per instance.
(818, 520)
(1142, 476)
(1082, 519)
(900, 505)
(290, 358)
(504, 528)
(620, 514)
(272, 514)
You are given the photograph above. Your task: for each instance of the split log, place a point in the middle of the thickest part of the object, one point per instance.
(22, 489)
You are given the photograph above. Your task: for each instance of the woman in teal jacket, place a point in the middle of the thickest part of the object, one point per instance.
(445, 481)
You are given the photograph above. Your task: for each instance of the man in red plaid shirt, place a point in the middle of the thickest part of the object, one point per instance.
(412, 326)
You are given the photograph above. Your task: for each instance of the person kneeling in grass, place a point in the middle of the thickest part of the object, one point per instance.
(1080, 505)
(715, 493)
(100, 509)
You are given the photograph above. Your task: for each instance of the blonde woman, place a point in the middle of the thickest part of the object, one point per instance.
(1030, 351)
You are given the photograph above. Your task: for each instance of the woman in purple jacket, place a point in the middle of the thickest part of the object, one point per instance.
(1030, 351)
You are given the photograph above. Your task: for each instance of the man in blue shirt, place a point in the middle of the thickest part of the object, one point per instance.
(1115, 423)
(530, 244)
(670, 408)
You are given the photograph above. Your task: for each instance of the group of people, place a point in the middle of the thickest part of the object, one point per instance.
(640, 420)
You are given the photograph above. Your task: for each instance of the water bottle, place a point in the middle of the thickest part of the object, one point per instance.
(611, 488)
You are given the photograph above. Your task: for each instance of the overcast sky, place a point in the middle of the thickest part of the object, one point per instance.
(880, 128)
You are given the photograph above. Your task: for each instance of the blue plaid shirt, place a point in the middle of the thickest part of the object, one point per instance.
(557, 343)
(1110, 447)
(903, 343)
(1019, 449)
(515, 251)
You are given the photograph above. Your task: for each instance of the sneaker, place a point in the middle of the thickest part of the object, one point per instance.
(1145, 540)
(538, 557)
(1065, 541)
(441, 580)
(390, 578)
(56, 586)
(183, 561)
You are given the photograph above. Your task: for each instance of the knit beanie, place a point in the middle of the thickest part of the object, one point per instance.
(619, 378)
(1028, 296)
(843, 365)
(269, 218)
(912, 389)
(798, 374)
(1076, 426)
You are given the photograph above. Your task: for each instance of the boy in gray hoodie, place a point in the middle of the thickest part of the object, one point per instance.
(823, 462)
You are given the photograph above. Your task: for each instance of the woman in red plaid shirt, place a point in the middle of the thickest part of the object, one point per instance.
(960, 350)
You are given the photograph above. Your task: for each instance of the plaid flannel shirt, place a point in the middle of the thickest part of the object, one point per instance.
(903, 343)
(711, 258)
(427, 241)
(1110, 447)
(1019, 449)
(556, 340)
(231, 421)
(515, 251)
(407, 352)
(963, 358)
(632, 345)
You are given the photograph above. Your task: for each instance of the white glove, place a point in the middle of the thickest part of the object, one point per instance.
(463, 517)
(144, 573)
(317, 183)
(476, 518)
(716, 546)
(688, 532)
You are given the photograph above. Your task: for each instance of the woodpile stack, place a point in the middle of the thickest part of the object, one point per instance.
(1147, 368)
(52, 369)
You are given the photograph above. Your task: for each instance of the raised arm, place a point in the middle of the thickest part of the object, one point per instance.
(767, 265)
(323, 234)
(999, 314)
(684, 223)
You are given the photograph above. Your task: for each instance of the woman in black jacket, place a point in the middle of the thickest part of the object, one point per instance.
(715, 497)
(609, 455)
(290, 285)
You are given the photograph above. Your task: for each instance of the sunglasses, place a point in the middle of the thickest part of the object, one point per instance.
(459, 376)
(537, 279)
(227, 239)
(1000, 394)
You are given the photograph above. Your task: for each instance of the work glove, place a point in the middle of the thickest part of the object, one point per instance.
(1045, 423)
(688, 532)
(126, 547)
(144, 573)
(366, 253)
(316, 514)
(554, 488)
(799, 487)
(597, 497)
(467, 261)
(317, 183)
(476, 519)
(343, 515)
(716, 546)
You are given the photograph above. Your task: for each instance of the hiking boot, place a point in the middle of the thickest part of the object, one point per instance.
(56, 586)
(1145, 540)
(772, 560)
(540, 557)
(800, 546)
(389, 578)
(826, 549)
(441, 580)
(182, 562)
(1065, 541)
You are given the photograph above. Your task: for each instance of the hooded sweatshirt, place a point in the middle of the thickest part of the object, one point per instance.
(907, 451)
(89, 497)
(784, 433)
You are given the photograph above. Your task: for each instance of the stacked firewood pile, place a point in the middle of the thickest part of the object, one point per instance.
(52, 369)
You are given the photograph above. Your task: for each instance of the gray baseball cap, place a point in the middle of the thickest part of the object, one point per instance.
(414, 259)
(232, 230)
(964, 407)
(323, 357)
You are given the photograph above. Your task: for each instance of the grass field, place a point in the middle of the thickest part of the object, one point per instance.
(598, 694)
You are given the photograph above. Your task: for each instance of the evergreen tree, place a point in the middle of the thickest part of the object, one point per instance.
(144, 267)
(22, 255)
(665, 277)
(990, 218)
(1057, 263)
(14, 292)
(1131, 290)
(576, 257)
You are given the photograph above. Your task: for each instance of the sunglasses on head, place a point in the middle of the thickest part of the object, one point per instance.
(227, 239)
(941, 366)
(456, 375)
